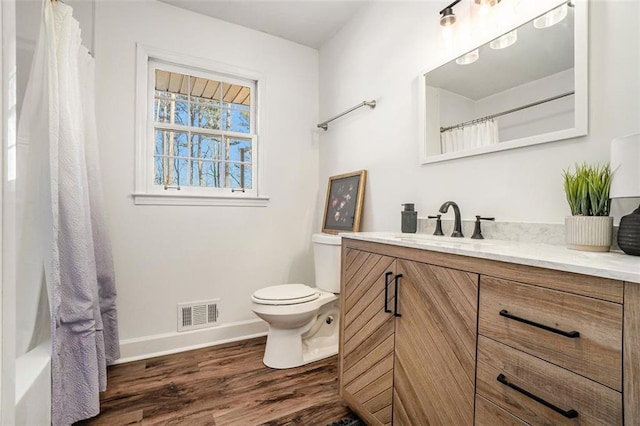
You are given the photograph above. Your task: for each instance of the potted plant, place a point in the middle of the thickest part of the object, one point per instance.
(589, 227)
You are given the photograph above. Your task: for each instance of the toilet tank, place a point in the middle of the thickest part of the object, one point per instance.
(326, 256)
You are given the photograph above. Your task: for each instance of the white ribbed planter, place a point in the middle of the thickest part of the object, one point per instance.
(588, 233)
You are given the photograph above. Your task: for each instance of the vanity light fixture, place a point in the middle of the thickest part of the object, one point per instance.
(551, 18)
(486, 5)
(469, 58)
(505, 41)
(489, 3)
(448, 17)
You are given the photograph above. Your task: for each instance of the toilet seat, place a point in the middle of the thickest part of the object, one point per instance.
(285, 294)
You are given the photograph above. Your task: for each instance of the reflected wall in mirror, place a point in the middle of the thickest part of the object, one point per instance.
(526, 87)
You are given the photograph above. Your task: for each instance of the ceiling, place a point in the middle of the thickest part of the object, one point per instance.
(310, 23)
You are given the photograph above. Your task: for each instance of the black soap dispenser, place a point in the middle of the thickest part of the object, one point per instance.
(409, 218)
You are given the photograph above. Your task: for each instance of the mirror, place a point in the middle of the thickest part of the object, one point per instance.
(503, 96)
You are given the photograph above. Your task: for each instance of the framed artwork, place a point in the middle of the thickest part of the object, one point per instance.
(345, 195)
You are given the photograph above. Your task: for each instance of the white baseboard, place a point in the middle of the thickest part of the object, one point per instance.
(169, 343)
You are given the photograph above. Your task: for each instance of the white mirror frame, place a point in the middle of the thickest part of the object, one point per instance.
(581, 101)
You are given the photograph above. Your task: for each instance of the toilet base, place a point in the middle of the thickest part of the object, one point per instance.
(295, 353)
(317, 340)
(321, 348)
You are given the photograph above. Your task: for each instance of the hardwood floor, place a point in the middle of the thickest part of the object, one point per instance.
(221, 385)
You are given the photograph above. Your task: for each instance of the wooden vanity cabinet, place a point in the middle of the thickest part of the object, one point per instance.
(410, 360)
(452, 348)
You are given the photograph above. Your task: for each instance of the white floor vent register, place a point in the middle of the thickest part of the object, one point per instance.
(194, 315)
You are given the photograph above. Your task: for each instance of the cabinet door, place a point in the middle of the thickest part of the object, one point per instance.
(435, 345)
(366, 338)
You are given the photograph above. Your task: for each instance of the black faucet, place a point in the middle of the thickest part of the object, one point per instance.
(477, 231)
(438, 230)
(457, 226)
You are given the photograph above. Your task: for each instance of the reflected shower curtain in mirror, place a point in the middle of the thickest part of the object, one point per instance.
(470, 136)
(58, 142)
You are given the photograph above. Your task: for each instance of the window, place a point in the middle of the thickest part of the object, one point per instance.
(197, 140)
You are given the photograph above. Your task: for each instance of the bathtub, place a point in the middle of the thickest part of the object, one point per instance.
(33, 386)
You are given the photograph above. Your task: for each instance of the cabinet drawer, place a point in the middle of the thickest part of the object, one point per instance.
(489, 414)
(552, 385)
(532, 319)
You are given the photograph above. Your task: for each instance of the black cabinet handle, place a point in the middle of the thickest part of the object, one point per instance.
(570, 414)
(395, 302)
(386, 291)
(570, 334)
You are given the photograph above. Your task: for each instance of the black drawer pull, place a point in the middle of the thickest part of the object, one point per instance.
(570, 414)
(570, 334)
(395, 302)
(386, 291)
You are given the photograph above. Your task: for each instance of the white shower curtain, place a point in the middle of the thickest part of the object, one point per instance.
(58, 160)
(470, 136)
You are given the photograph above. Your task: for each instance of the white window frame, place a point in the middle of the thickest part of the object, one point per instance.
(145, 191)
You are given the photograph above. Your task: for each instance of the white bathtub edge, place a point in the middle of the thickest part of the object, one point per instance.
(33, 386)
(30, 366)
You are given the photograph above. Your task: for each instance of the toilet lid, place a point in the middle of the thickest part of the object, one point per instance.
(286, 294)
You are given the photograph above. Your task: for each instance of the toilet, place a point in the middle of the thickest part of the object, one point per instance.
(303, 320)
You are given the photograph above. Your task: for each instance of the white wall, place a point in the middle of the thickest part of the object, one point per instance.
(165, 255)
(455, 108)
(379, 55)
(548, 117)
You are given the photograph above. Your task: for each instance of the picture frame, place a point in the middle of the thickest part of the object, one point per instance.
(345, 197)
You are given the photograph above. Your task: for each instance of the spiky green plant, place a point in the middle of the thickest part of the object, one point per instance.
(587, 190)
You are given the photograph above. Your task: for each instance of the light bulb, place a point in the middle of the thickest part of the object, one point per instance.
(447, 33)
(505, 41)
(469, 58)
(551, 18)
(486, 5)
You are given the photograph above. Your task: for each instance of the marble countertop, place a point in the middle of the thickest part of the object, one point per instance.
(614, 265)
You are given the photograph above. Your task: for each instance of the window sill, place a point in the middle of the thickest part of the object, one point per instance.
(199, 200)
